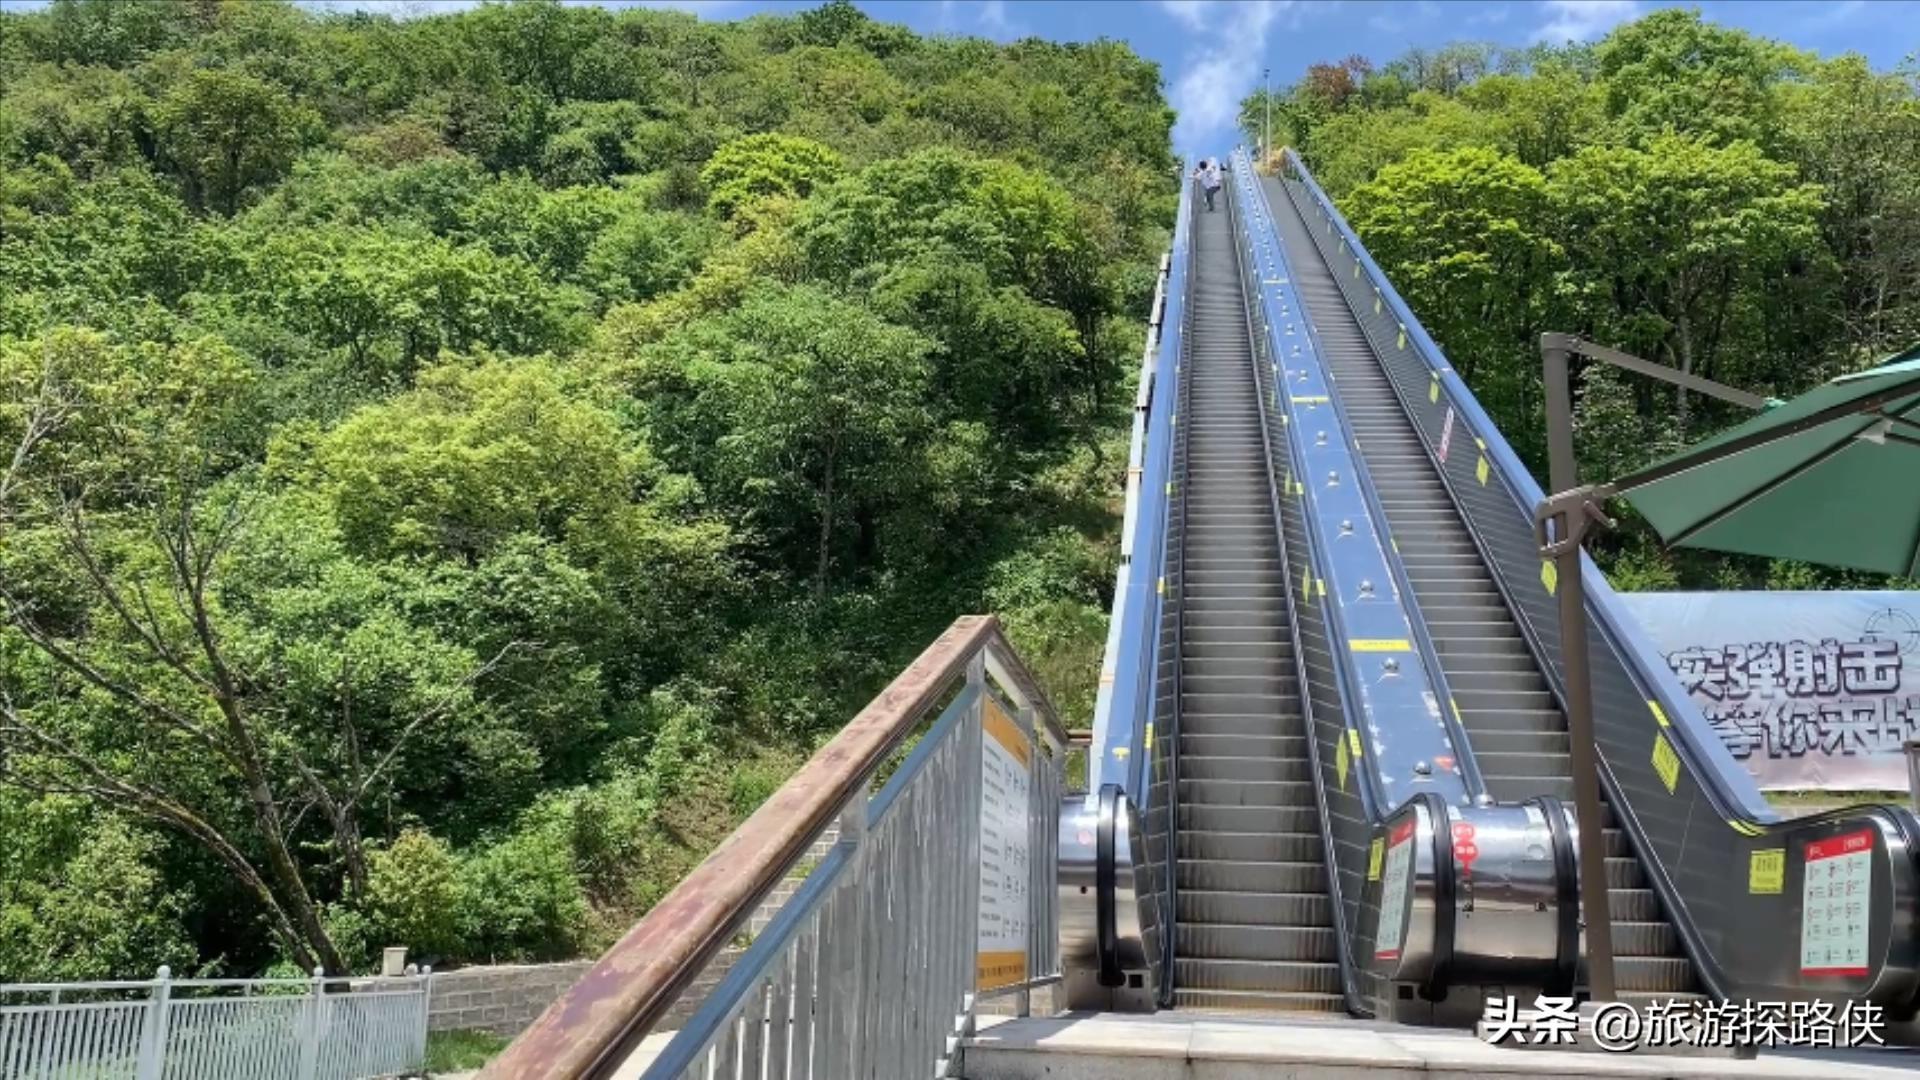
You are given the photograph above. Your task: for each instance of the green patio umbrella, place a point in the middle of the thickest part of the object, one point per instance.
(1832, 477)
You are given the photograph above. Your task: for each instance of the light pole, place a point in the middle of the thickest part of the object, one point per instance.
(1266, 123)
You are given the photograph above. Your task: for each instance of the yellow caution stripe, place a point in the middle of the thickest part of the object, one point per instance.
(1380, 645)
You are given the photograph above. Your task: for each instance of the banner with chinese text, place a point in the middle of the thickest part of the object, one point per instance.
(1810, 690)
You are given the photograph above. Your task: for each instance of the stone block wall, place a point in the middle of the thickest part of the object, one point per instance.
(501, 998)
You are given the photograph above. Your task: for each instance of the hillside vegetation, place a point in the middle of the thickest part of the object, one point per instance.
(456, 466)
(1722, 203)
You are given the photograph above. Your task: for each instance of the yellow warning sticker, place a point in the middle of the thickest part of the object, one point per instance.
(1433, 390)
(1380, 645)
(1549, 575)
(1480, 472)
(1402, 342)
(1665, 762)
(1767, 871)
(1374, 855)
(1659, 713)
(1340, 763)
(1353, 742)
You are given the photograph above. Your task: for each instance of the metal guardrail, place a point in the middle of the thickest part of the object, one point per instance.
(872, 967)
(213, 1029)
(1707, 838)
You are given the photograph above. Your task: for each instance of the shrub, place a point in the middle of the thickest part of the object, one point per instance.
(413, 895)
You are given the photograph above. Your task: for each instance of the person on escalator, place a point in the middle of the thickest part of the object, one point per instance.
(1209, 176)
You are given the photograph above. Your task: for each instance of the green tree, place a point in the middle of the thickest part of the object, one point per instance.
(1675, 72)
(766, 166)
(1466, 238)
(800, 409)
(224, 133)
(1667, 247)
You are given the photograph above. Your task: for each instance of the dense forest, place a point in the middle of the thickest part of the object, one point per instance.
(1722, 203)
(455, 466)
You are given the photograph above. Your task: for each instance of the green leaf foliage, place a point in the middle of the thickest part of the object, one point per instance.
(462, 464)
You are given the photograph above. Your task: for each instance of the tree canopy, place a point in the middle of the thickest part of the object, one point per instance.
(1722, 203)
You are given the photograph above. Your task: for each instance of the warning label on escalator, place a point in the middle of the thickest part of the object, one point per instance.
(1006, 900)
(1836, 903)
(1393, 892)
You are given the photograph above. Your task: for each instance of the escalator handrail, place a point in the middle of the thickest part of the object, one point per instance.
(1177, 551)
(1343, 946)
(1368, 786)
(1465, 761)
(1374, 797)
(1726, 782)
(1116, 754)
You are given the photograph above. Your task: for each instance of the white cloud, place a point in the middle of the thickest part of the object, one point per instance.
(1224, 63)
(1579, 20)
(997, 23)
(1191, 12)
(1835, 13)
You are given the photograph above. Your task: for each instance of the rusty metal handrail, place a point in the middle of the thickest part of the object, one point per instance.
(633, 985)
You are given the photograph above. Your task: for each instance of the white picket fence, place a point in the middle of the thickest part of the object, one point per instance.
(215, 1029)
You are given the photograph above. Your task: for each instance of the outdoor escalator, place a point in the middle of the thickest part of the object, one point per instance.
(1254, 925)
(1517, 729)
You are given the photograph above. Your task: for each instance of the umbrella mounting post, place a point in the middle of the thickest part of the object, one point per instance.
(1561, 522)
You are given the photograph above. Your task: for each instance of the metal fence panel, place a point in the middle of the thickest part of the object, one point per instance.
(166, 1029)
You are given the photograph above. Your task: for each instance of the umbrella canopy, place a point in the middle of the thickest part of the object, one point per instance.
(1831, 477)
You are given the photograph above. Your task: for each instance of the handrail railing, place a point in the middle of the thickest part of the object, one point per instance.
(1129, 671)
(873, 959)
(1168, 808)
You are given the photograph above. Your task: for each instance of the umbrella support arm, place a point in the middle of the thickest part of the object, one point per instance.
(1575, 346)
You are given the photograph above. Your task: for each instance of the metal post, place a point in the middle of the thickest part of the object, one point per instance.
(852, 962)
(1912, 748)
(152, 1062)
(310, 1028)
(1036, 803)
(1569, 524)
(1266, 125)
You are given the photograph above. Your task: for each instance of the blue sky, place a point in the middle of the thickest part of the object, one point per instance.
(1211, 52)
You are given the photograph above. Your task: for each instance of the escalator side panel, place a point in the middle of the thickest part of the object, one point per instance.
(1686, 808)
(1513, 720)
